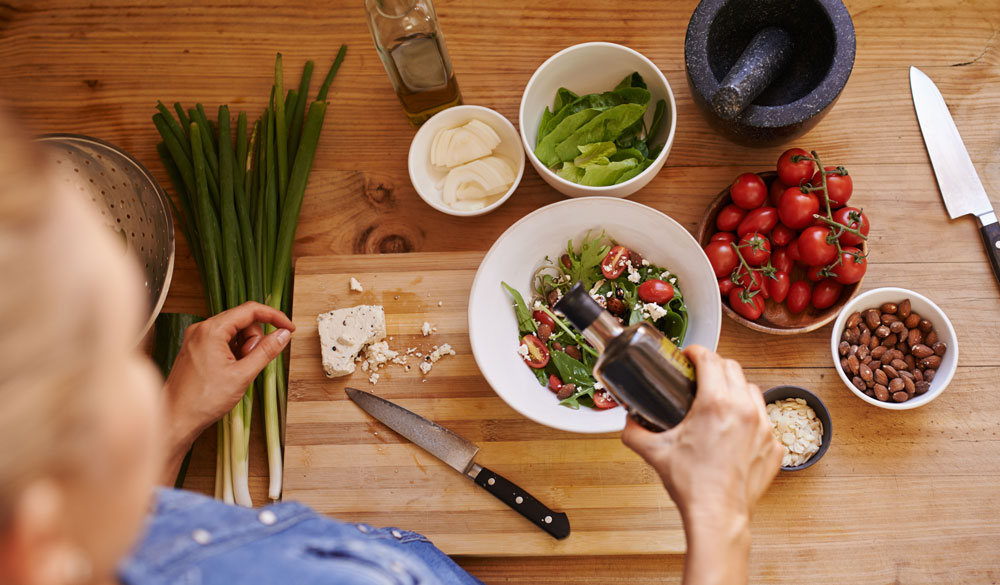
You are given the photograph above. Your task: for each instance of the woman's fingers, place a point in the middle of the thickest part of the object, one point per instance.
(238, 318)
(249, 338)
(709, 370)
(263, 353)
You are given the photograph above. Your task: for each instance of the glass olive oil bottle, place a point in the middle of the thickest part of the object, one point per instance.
(642, 369)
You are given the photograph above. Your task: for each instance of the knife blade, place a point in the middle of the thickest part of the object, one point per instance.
(460, 454)
(957, 179)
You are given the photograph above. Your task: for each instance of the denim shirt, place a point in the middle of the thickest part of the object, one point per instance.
(195, 540)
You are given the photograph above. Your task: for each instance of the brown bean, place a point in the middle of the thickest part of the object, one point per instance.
(896, 384)
(881, 392)
(881, 377)
(910, 361)
(853, 363)
(931, 338)
(852, 335)
(940, 348)
(912, 321)
(929, 375)
(557, 346)
(921, 351)
(921, 388)
(879, 351)
(573, 352)
(909, 386)
(844, 366)
(926, 326)
(890, 371)
(566, 391)
(918, 376)
(915, 336)
(897, 328)
(869, 393)
(866, 336)
(874, 342)
(900, 396)
(544, 331)
(616, 306)
(865, 372)
(931, 362)
(844, 348)
(863, 352)
(872, 318)
(868, 360)
(882, 332)
(899, 364)
(895, 354)
(635, 258)
(854, 320)
(888, 319)
(903, 310)
(903, 334)
(858, 383)
(891, 340)
(566, 261)
(553, 297)
(906, 374)
(889, 308)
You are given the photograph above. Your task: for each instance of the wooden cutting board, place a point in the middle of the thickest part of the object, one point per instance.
(346, 464)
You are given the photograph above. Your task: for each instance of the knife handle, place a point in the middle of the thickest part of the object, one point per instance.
(991, 237)
(555, 523)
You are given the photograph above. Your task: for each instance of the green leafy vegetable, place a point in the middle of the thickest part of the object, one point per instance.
(607, 174)
(546, 150)
(525, 323)
(603, 127)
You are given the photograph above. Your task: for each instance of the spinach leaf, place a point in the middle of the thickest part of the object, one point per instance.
(632, 80)
(634, 171)
(585, 267)
(546, 149)
(546, 116)
(655, 152)
(606, 126)
(525, 324)
(571, 370)
(543, 378)
(673, 325)
(563, 98)
(604, 175)
(658, 117)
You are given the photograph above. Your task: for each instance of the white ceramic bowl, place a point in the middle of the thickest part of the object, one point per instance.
(589, 68)
(927, 309)
(426, 177)
(522, 248)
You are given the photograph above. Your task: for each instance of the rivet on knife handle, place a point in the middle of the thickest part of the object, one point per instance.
(555, 523)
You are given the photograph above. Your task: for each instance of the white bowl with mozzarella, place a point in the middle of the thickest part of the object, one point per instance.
(476, 162)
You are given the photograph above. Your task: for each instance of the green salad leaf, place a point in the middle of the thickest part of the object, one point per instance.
(546, 149)
(525, 324)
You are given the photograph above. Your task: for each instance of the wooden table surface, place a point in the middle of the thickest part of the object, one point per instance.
(902, 497)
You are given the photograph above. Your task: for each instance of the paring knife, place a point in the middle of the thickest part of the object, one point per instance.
(961, 189)
(460, 454)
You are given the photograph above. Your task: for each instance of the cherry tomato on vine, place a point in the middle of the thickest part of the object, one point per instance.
(614, 263)
(815, 273)
(852, 269)
(777, 287)
(781, 261)
(752, 280)
(761, 220)
(782, 235)
(603, 399)
(825, 293)
(555, 384)
(722, 256)
(750, 307)
(793, 173)
(775, 191)
(755, 248)
(723, 237)
(797, 208)
(656, 291)
(839, 186)
(853, 218)
(729, 217)
(793, 251)
(748, 191)
(543, 317)
(799, 295)
(814, 247)
(725, 285)
(538, 354)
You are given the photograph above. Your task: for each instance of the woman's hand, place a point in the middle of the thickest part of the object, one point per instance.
(218, 360)
(716, 464)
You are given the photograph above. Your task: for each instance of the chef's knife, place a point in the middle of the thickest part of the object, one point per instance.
(961, 189)
(460, 454)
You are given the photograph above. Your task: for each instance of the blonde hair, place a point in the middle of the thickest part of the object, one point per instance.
(44, 324)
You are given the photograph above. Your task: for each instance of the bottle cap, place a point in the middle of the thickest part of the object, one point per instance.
(579, 307)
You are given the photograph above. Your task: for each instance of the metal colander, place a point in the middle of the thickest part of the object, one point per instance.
(131, 203)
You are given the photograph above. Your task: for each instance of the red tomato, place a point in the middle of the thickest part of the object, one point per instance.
(722, 256)
(614, 263)
(777, 287)
(815, 273)
(752, 280)
(555, 384)
(799, 294)
(729, 217)
(853, 218)
(538, 354)
(793, 173)
(746, 305)
(775, 191)
(793, 251)
(603, 399)
(761, 220)
(748, 191)
(825, 293)
(851, 268)
(781, 261)
(755, 248)
(725, 285)
(656, 291)
(543, 317)
(797, 208)
(782, 235)
(840, 186)
(723, 237)
(814, 247)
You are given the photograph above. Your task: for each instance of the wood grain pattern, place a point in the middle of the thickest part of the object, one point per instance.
(98, 69)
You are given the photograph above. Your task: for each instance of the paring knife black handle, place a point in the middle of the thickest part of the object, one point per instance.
(555, 523)
(991, 237)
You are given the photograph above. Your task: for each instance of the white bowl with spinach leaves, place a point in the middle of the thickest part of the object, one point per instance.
(597, 119)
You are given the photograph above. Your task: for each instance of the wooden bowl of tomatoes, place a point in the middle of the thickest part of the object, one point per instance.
(798, 278)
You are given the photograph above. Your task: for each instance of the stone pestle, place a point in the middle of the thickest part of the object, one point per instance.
(758, 66)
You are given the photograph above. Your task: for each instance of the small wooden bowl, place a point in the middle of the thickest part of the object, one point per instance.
(776, 319)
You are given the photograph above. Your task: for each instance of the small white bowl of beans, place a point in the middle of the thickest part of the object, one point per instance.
(894, 348)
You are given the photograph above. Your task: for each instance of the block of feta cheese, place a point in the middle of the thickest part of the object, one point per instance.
(344, 333)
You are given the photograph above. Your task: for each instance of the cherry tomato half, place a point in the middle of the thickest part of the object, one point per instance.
(729, 217)
(543, 319)
(725, 285)
(825, 293)
(814, 247)
(750, 308)
(793, 173)
(853, 218)
(723, 237)
(839, 186)
(748, 191)
(761, 220)
(722, 256)
(538, 354)
(799, 294)
(777, 286)
(797, 208)
(781, 261)
(775, 191)
(656, 291)
(755, 248)
(852, 269)
(614, 263)
(604, 400)
(555, 384)
(782, 235)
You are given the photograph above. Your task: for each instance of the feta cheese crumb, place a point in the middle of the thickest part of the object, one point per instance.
(522, 350)
(645, 262)
(634, 277)
(426, 329)
(356, 286)
(426, 367)
(655, 311)
(538, 305)
(665, 275)
(373, 379)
